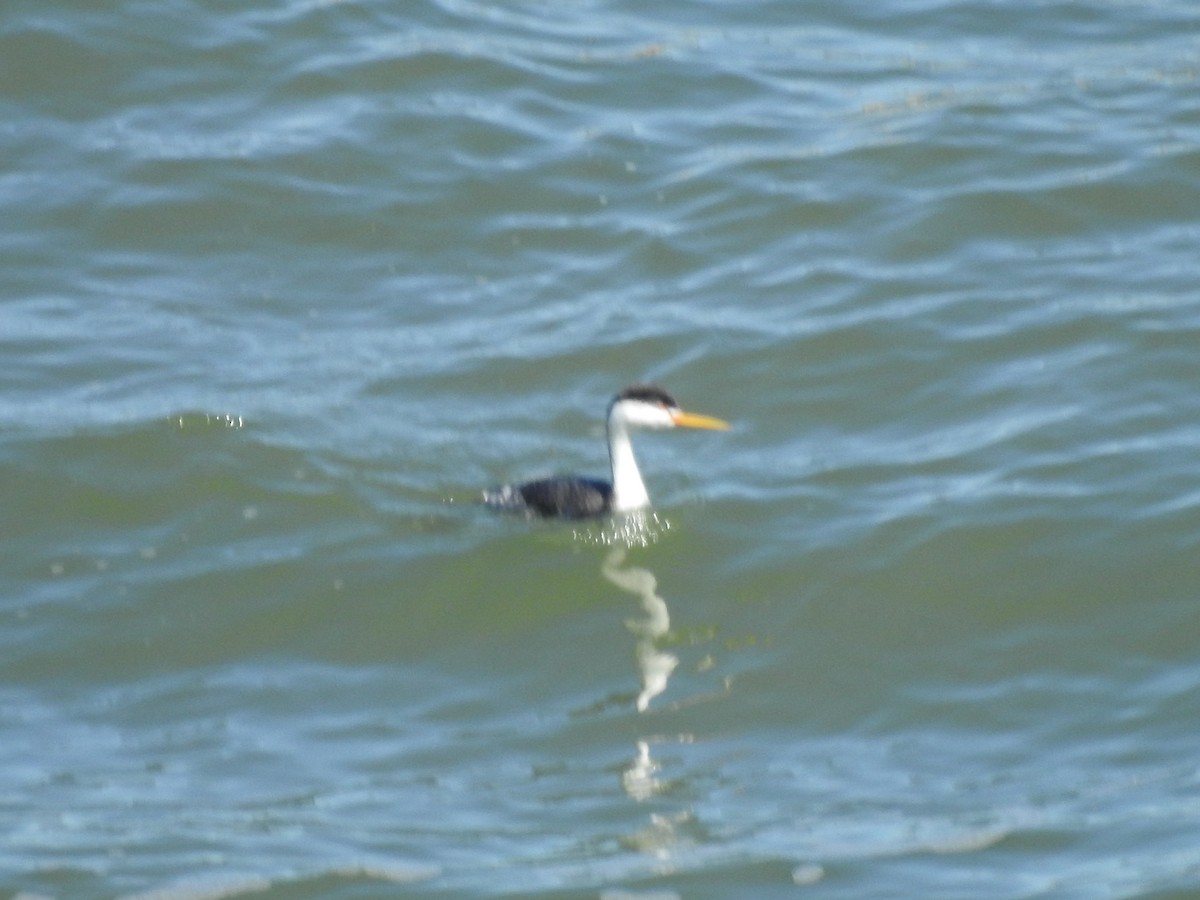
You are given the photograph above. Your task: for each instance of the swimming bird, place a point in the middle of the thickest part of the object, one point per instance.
(575, 497)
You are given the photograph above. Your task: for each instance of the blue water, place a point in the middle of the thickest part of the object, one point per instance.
(283, 288)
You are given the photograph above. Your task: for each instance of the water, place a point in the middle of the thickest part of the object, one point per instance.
(284, 286)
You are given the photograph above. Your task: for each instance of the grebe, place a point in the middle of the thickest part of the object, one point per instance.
(575, 497)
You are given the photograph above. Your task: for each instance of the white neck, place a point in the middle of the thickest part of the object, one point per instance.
(629, 492)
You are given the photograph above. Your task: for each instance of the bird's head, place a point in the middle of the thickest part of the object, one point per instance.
(649, 406)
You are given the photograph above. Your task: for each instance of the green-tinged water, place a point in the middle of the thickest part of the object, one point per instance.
(282, 287)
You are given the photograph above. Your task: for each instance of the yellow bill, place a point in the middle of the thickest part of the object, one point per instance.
(695, 420)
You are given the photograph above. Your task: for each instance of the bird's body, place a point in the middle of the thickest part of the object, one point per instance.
(557, 497)
(575, 497)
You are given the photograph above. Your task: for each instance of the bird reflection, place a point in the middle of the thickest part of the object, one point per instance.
(654, 665)
(638, 780)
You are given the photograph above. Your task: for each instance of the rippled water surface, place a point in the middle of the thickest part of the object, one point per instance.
(285, 284)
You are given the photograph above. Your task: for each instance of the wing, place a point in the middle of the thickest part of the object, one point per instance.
(567, 497)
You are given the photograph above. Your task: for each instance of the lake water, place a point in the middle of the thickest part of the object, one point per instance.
(285, 284)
